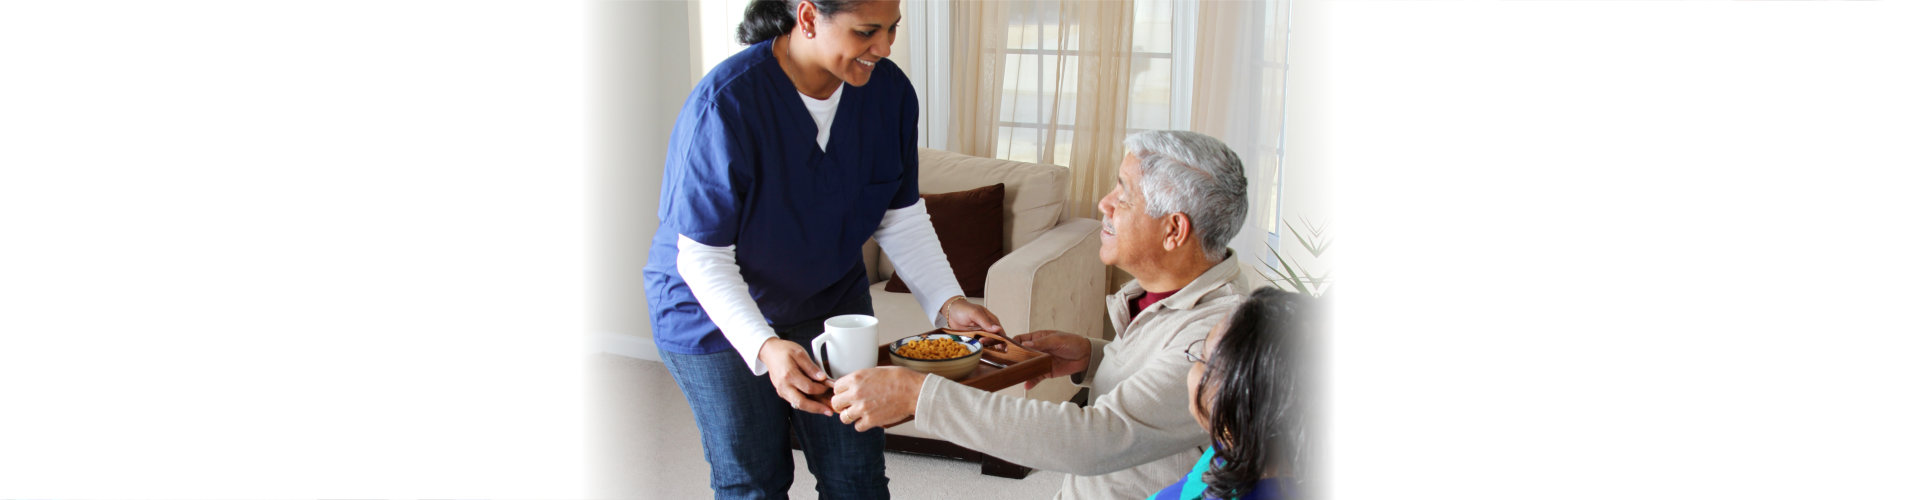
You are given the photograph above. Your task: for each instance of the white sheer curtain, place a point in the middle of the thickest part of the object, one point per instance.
(1239, 96)
(979, 37)
(1045, 81)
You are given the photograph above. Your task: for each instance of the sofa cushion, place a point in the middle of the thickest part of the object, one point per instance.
(969, 225)
(1035, 203)
(899, 315)
(1036, 194)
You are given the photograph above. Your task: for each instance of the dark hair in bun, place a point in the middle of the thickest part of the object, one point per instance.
(771, 18)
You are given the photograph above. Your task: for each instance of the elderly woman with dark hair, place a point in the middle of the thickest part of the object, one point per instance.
(1247, 391)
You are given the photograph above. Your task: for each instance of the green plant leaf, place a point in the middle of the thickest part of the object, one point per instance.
(1287, 276)
(1316, 231)
(1292, 277)
(1312, 249)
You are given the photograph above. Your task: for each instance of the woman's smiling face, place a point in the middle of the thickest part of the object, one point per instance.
(852, 41)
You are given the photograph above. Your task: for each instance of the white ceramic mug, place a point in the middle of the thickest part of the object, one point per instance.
(848, 344)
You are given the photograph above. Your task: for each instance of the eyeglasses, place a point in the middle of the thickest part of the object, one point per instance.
(1195, 358)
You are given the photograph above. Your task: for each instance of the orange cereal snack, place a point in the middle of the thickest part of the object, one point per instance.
(932, 349)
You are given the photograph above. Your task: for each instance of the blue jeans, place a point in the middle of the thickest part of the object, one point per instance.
(744, 423)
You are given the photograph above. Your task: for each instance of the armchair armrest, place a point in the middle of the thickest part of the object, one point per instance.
(1055, 282)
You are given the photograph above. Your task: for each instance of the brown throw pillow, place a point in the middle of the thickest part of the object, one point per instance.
(968, 223)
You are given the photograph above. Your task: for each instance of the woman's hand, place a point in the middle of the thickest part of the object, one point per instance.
(965, 315)
(1070, 352)
(794, 375)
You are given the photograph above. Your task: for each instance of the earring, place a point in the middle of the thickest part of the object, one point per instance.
(809, 33)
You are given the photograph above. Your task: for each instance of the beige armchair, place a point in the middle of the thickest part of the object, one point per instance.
(1050, 279)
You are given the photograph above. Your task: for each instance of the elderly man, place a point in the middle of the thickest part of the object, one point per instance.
(1179, 199)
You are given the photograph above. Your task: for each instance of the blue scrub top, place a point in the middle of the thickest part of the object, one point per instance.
(743, 169)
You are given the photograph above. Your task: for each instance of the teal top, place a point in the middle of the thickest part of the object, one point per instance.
(1194, 486)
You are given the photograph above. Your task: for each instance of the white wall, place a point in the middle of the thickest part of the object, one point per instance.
(292, 249)
(644, 72)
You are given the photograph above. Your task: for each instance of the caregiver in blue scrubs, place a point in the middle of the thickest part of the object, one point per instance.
(784, 160)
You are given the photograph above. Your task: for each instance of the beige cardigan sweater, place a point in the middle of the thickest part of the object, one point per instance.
(1135, 435)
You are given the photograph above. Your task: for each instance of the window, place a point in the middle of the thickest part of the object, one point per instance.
(1041, 78)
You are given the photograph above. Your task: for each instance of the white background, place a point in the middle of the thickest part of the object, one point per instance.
(335, 249)
(1620, 249)
(257, 249)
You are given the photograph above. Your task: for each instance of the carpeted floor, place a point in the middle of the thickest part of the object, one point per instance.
(646, 446)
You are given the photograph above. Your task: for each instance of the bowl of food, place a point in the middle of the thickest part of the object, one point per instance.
(942, 354)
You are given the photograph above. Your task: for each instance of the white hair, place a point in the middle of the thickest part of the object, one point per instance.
(1194, 174)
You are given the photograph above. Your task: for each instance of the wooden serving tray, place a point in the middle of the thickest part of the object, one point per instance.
(1023, 364)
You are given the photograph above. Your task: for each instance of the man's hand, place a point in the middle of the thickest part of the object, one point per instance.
(794, 375)
(875, 397)
(1070, 352)
(967, 316)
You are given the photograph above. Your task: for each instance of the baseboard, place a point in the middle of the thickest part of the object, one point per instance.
(632, 346)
